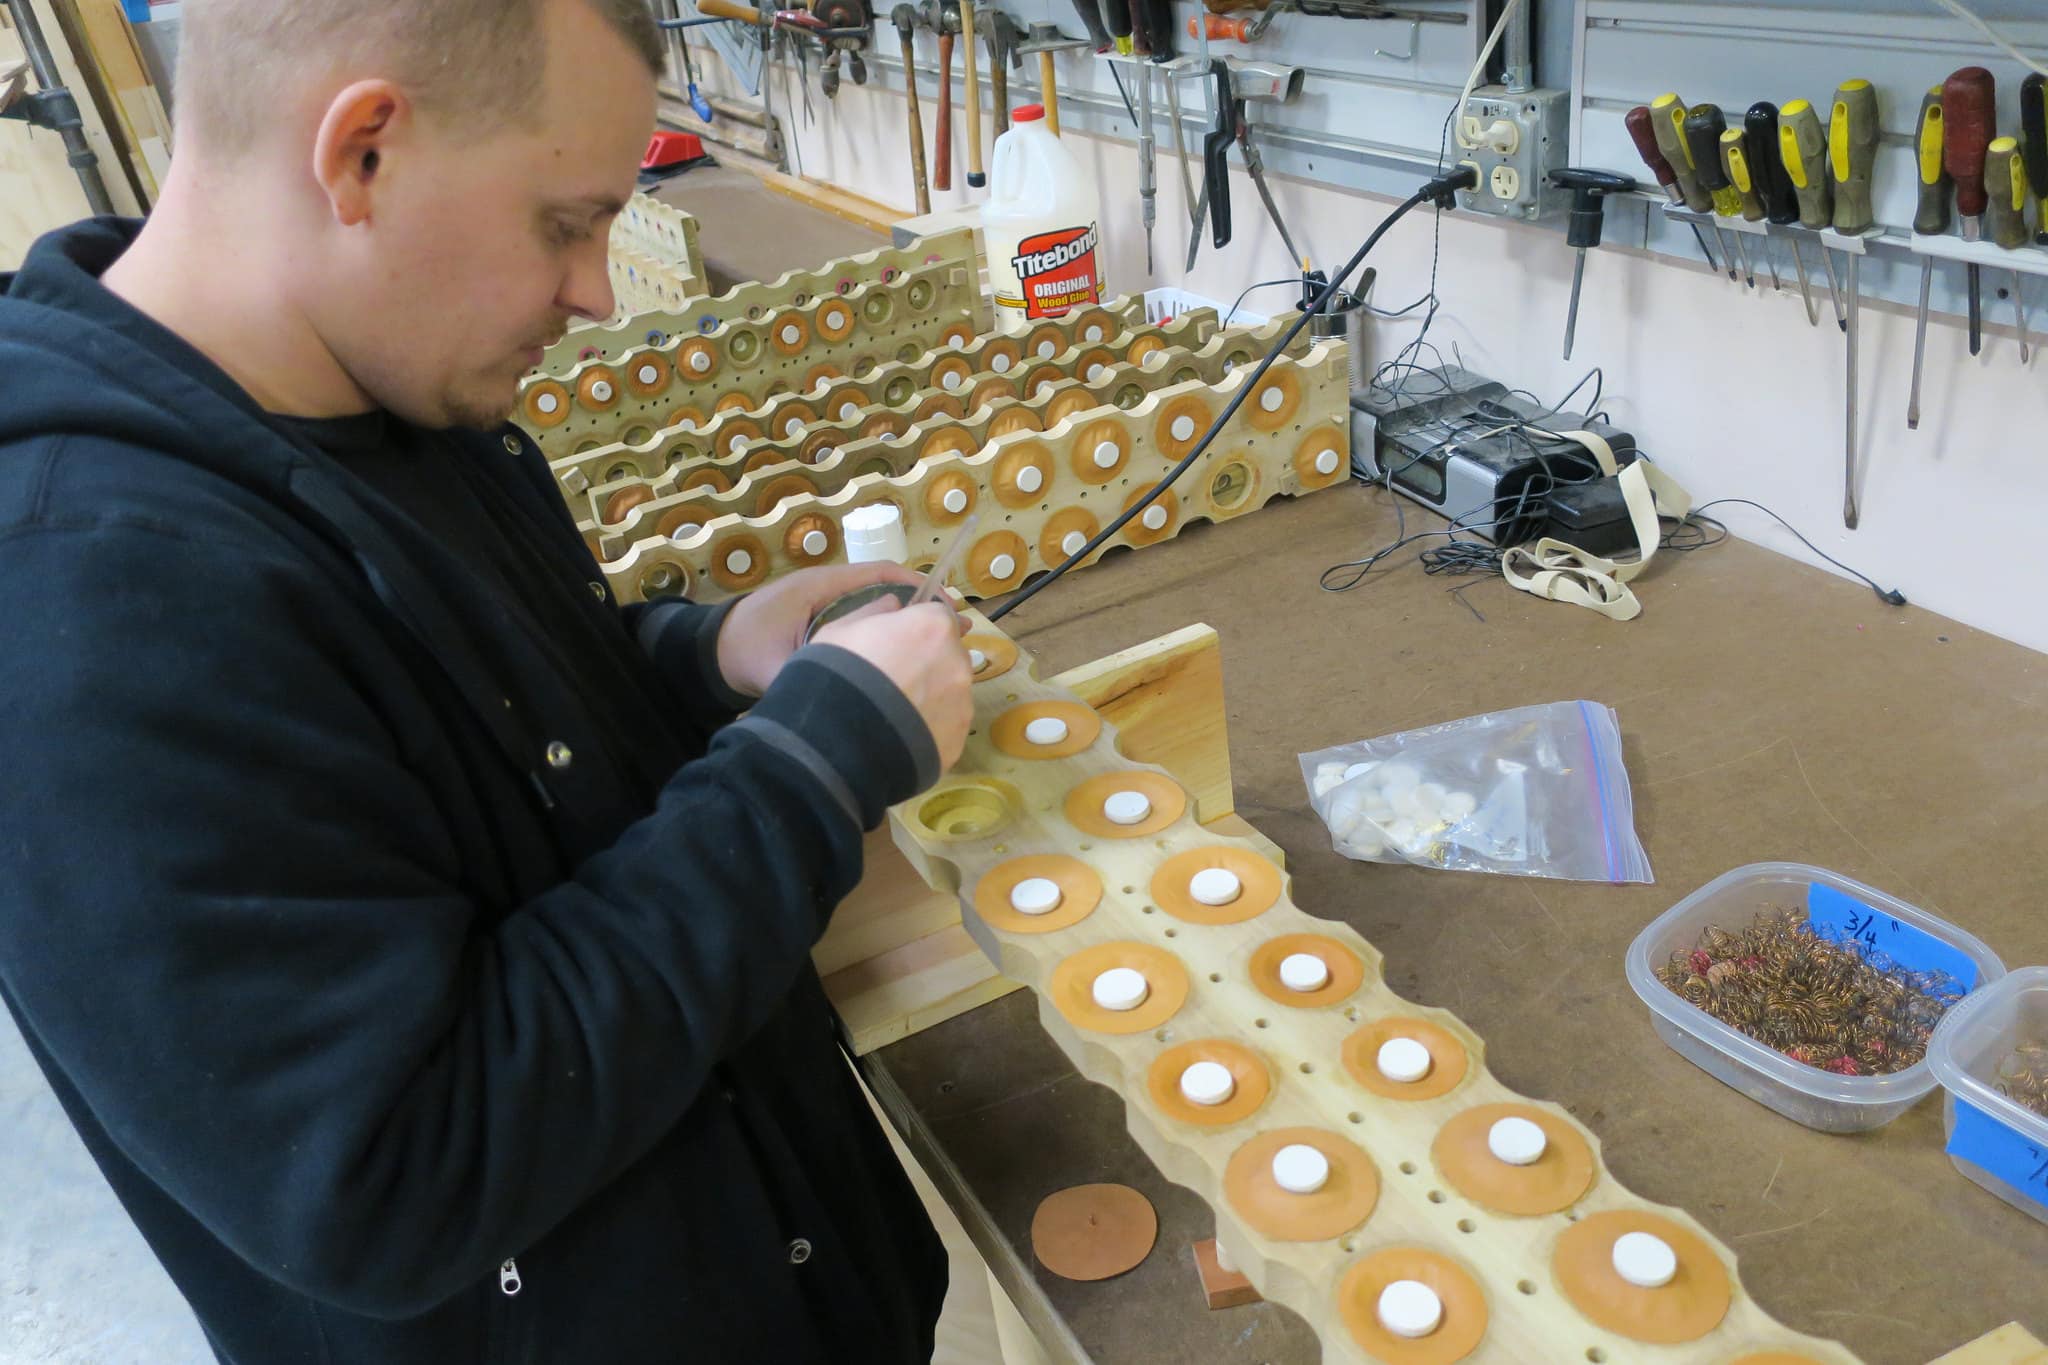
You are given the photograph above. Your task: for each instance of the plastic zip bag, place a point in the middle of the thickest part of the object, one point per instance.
(1539, 791)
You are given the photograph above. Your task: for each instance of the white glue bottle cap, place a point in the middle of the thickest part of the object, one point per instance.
(875, 534)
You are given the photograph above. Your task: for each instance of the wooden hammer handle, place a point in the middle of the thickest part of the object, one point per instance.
(726, 9)
(1049, 93)
(942, 134)
(917, 180)
(972, 94)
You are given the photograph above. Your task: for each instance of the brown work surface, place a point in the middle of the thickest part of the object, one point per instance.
(1093, 1232)
(1768, 711)
(746, 231)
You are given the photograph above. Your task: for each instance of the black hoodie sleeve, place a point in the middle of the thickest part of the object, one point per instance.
(681, 640)
(230, 912)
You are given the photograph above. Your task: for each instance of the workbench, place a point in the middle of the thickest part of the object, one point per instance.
(1769, 711)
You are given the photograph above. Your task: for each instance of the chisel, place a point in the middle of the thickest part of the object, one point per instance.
(1930, 220)
(1735, 165)
(1642, 131)
(2005, 184)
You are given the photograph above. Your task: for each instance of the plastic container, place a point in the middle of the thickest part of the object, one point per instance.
(1996, 1142)
(1039, 228)
(1819, 1099)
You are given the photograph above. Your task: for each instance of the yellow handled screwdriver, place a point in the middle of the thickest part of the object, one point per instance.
(2005, 188)
(1931, 220)
(1704, 125)
(1803, 150)
(1735, 165)
(1668, 119)
(1852, 154)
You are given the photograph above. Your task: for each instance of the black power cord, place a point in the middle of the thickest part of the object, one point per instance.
(1441, 191)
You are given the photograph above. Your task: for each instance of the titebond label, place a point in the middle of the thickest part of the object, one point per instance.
(1056, 271)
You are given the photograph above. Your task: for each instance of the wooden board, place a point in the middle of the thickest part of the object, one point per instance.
(2011, 1344)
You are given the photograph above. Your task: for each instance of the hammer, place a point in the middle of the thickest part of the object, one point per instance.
(1002, 35)
(975, 177)
(944, 20)
(905, 19)
(1044, 40)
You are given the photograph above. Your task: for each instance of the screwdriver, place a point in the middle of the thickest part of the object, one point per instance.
(1802, 151)
(1703, 128)
(1760, 149)
(1931, 220)
(1967, 114)
(1852, 153)
(1735, 165)
(2034, 124)
(1644, 135)
(2005, 183)
(1589, 189)
(1667, 116)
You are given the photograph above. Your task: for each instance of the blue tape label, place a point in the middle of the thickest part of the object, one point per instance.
(1845, 919)
(1986, 1143)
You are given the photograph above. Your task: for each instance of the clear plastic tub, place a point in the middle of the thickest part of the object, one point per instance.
(1819, 1099)
(2003, 1146)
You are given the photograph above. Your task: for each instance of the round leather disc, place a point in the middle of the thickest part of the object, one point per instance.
(1091, 1232)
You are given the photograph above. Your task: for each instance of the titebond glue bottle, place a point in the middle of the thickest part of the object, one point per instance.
(1039, 226)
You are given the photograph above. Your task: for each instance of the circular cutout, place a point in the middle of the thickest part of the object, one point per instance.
(618, 506)
(546, 404)
(1001, 355)
(811, 538)
(1344, 1199)
(999, 655)
(993, 389)
(1087, 804)
(1259, 884)
(778, 490)
(696, 360)
(1022, 473)
(1447, 1059)
(996, 563)
(735, 436)
(717, 480)
(834, 320)
(1079, 891)
(1041, 380)
(1007, 732)
(598, 388)
(949, 497)
(681, 524)
(1071, 987)
(966, 809)
(793, 418)
(951, 374)
(1092, 365)
(663, 579)
(739, 400)
(1346, 969)
(1093, 1232)
(1557, 1178)
(938, 404)
(1278, 397)
(1157, 522)
(788, 333)
(1099, 452)
(648, 375)
(687, 415)
(956, 337)
(1014, 418)
(1231, 486)
(1046, 342)
(1249, 1083)
(1320, 459)
(1144, 349)
(1458, 1295)
(739, 562)
(1180, 423)
(820, 376)
(1057, 541)
(1691, 1305)
(947, 440)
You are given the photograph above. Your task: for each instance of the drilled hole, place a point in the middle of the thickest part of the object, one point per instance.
(1308, 1068)
(1467, 1225)
(1595, 1354)
(1215, 976)
(1436, 1196)
(1525, 1286)
(1407, 1168)
(1258, 1023)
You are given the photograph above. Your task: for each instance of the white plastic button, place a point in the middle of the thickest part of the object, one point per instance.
(1271, 400)
(1410, 1308)
(1106, 455)
(1035, 896)
(1000, 364)
(1516, 1141)
(825, 453)
(1300, 1169)
(601, 392)
(1093, 333)
(1304, 972)
(739, 561)
(793, 427)
(1154, 518)
(815, 543)
(1207, 1083)
(1002, 567)
(739, 445)
(790, 333)
(1645, 1261)
(1072, 543)
(1095, 371)
(548, 404)
(835, 319)
(848, 409)
(1153, 359)
(1127, 808)
(977, 660)
(1030, 478)
(648, 374)
(1326, 463)
(954, 381)
(1404, 1060)
(1047, 350)
(1215, 886)
(1120, 988)
(700, 361)
(955, 501)
(1183, 428)
(1046, 730)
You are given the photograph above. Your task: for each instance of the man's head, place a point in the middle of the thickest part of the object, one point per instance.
(433, 180)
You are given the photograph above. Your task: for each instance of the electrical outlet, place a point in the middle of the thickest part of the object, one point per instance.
(1514, 141)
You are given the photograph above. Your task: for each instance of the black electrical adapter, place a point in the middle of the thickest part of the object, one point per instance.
(1593, 516)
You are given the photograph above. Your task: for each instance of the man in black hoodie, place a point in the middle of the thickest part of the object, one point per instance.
(418, 941)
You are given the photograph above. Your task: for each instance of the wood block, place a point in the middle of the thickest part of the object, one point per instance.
(2011, 1344)
(1222, 1288)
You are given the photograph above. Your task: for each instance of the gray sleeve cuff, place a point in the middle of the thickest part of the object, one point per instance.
(682, 639)
(902, 717)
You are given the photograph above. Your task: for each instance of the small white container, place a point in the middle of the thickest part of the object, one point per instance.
(2004, 1146)
(1819, 1099)
(1040, 227)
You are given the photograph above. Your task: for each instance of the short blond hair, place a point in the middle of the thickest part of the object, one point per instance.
(479, 60)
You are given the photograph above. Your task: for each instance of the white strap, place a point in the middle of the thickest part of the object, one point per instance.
(1565, 573)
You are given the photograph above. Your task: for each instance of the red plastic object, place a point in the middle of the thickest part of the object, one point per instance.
(1026, 113)
(671, 149)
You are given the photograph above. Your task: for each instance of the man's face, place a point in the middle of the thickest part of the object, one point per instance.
(485, 242)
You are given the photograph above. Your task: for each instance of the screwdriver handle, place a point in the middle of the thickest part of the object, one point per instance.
(1802, 151)
(1968, 113)
(1704, 125)
(1667, 116)
(1932, 218)
(2005, 184)
(1735, 165)
(1760, 150)
(1852, 153)
(1217, 28)
(1644, 135)
(2034, 125)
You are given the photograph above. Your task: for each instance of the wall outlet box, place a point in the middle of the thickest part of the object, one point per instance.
(1514, 141)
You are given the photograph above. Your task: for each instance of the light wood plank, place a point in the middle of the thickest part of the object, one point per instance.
(2011, 1344)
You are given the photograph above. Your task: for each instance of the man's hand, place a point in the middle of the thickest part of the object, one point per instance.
(919, 649)
(768, 625)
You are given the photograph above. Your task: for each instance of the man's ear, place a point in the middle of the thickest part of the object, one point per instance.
(354, 140)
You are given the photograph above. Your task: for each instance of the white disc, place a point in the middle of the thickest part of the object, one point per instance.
(739, 445)
(1300, 1169)
(648, 374)
(1516, 1141)
(834, 320)
(1046, 730)
(1215, 886)
(1120, 988)
(1207, 1083)
(825, 453)
(548, 404)
(1106, 455)
(1073, 542)
(790, 333)
(1047, 350)
(848, 409)
(954, 380)
(601, 392)
(1000, 364)
(1030, 478)
(1183, 428)
(1035, 896)
(1271, 399)
(815, 543)
(1095, 371)
(793, 427)
(1459, 806)
(1154, 518)
(1153, 360)
(1093, 332)
(1404, 1060)
(955, 501)
(1358, 770)
(977, 660)
(1645, 1261)
(1304, 972)
(1410, 1308)
(1127, 808)
(1326, 463)
(700, 361)
(1001, 567)
(739, 561)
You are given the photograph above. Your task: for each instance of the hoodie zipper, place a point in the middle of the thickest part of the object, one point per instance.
(509, 1282)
